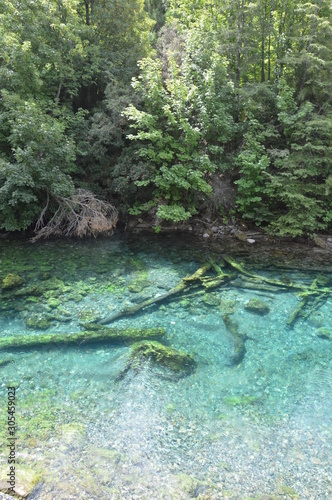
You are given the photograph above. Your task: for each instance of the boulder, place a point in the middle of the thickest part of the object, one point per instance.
(180, 363)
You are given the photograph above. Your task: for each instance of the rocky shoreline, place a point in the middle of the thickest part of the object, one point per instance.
(283, 252)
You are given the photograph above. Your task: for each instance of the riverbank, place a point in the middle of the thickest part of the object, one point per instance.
(283, 252)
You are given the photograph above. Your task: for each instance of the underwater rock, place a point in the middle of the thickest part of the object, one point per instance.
(283, 489)
(179, 362)
(59, 318)
(36, 322)
(324, 333)
(5, 361)
(75, 297)
(26, 480)
(104, 457)
(192, 486)
(135, 288)
(11, 281)
(73, 435)
(228, 306)
(241, 400)
(211, 299)
(101, 334)
(257, 306)
(183, 303)
(319, 242)
(87, 315)
(30, 291)
(53, 303)
(139, 284)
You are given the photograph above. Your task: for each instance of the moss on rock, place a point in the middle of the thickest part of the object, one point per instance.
(211, 299)
(53, 303)
(241, 400)
(73, 435)
(26, 480)
(179, 362)
(257, 306)
(228, 306)
(135, 288)
(36, 322)
(11, 281)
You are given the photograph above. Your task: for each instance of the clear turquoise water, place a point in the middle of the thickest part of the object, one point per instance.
(260, 428)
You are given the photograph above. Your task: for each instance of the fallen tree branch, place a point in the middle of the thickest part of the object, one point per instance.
(79, 215)
(184, 284)
(95, 335)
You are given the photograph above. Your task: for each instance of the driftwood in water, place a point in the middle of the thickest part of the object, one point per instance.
(310, 303)
(311, 300)
(239, 340)
(195, 280)
(242, 278)
(96, 335)
(312, 297)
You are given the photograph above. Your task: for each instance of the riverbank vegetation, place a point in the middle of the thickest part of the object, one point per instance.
(172, 109)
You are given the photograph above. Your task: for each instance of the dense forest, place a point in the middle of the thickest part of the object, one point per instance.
(173, 109)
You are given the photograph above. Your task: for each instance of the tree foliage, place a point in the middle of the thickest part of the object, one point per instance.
(232, 91)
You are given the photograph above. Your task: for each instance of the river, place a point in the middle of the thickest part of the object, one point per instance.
(256, 428)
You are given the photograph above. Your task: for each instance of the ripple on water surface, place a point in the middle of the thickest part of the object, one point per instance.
(92, 424)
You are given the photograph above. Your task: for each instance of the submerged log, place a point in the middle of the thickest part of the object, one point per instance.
(314, 289)
(298, 312)
(312, 299)
(198, 281)
(239, 340)
(190, 281)
(115, 335)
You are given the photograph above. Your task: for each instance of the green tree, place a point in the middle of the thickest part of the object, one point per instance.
(300, 180)
(41, 161)
(178, 132)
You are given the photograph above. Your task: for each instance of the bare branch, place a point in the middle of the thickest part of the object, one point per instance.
(79, 215)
